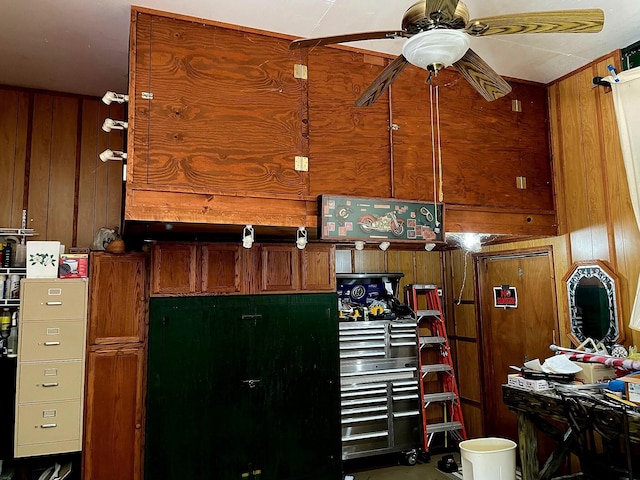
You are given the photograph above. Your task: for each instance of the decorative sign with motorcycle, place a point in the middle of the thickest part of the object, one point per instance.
(352, 218)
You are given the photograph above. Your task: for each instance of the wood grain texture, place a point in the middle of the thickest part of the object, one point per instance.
(114, 413)
(279, 269)
(318, 268)
(468, 371)
(174, 269)
(348, 146)
(118, 298)
(13, 137)
(567, 21)
(221, 266)
(39, 164)
(216, 97)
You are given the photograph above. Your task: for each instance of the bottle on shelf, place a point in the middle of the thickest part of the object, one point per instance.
(5, 320)
(6, 255)
(12, 341)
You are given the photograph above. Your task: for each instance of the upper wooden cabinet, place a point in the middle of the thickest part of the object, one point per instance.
(220, 268)
(112, 318)
(221, 115)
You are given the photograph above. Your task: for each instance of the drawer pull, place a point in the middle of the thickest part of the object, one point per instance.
(51, 384)
(54, 303)
(49, 425)
(51, 344)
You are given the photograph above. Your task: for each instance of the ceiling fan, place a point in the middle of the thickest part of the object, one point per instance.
(439, 31)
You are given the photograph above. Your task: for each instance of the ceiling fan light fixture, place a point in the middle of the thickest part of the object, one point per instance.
(436, 47)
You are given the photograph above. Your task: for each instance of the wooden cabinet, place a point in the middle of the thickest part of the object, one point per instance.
(193, 141)
(196, 269)
(114, 402)
(51, 361)
(113, 446)
(219, 268)
(242, 383)
(117, 312)
(217, 119)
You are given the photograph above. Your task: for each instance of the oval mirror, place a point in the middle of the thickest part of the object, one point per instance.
(593, 303)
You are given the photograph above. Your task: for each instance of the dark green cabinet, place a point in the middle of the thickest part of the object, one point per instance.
(243, 387)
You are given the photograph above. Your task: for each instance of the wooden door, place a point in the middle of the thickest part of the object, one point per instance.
(279, 268)
(114, 414)
(117, 298)
(174, 269)
(510, 336)
(221, 268)
(318, 268)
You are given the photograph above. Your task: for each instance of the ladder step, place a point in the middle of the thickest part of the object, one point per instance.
(437, 367)
(432, 341)
(439, 397)
(428, 313)
(417, 286)
(443, 427)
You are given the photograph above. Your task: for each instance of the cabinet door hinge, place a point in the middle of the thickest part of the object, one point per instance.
(300, 71)
(301, 164)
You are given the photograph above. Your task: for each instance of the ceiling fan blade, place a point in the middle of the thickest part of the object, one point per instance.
(561, 21)
(443, 9)
(382, 81)
(481, 76)
(352, 37)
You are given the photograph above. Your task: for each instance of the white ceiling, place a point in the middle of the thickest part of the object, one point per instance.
(81, 46)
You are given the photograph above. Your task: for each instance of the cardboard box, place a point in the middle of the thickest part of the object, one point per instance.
(74, 265)
(632, 388)
(594, 373)
(516, 380)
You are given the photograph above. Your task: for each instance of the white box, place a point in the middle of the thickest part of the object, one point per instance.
(43, 259)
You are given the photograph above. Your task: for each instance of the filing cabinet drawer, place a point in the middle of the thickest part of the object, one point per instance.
(46, 382)
(49, 299)
(52, 340)
(48, 423)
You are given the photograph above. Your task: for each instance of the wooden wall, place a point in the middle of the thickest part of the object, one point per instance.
(49, 146)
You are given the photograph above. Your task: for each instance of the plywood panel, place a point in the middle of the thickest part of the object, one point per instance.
(369, 261)
(40, 163)
(465, 320)
(595, 189)
(13, 137)
(468, 370)
(62, 170)
(349, 146)
(218, 94)
(403, 262)
(473, 421)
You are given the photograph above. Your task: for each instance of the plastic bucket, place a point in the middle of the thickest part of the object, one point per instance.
(488, 459)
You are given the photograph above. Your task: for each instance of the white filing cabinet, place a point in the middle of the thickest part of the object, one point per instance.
(51, 359)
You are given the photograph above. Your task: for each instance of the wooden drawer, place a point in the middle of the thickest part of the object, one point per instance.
(46, 382)
(48, 299)
(52, 340)
(41, 423)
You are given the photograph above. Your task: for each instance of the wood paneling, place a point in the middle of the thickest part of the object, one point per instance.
(349, 146)
(51, 143)
(13, 143)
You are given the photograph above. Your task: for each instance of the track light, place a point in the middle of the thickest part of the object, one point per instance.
(384, 245)
(107, 155)
(359, 245)
(301, 238)
(429, 246)
(111, 124)
(114, 97)
(248, 236)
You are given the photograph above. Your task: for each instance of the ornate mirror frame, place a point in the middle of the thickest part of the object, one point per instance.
(600, 271)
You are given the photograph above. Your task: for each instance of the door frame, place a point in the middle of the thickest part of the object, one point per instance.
(487, 376)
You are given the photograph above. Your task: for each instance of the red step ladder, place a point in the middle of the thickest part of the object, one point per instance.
(438, 386)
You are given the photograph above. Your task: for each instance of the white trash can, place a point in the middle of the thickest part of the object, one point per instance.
(489, 458)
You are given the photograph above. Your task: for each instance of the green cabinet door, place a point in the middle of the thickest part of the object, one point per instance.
(243, 384)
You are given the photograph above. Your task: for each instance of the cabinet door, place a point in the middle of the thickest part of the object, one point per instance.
(221, 268)
(114, 414)
(118, 292)
(318, 268)
(279, 268)
(174, 269)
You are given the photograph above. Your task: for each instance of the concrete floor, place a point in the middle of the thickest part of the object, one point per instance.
(388, 468)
